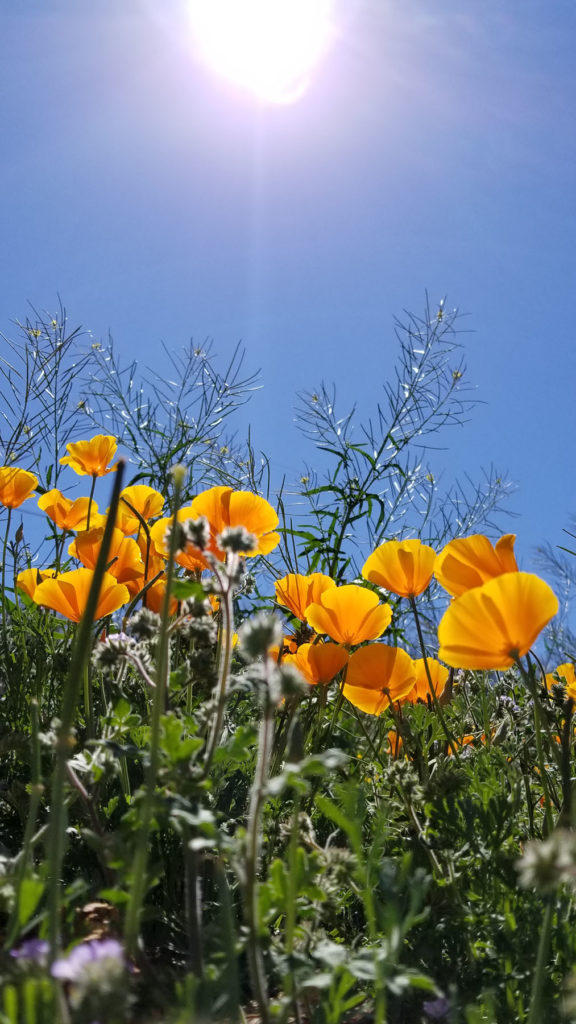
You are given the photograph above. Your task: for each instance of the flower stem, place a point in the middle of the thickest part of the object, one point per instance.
(449, 737)
(537, 1010)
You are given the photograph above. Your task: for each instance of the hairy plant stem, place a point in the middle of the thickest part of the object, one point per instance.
(449, 737)
(224, 660)
(253, 842)
(140, 861)
(541, 725)
(65, 741)
(4, 550)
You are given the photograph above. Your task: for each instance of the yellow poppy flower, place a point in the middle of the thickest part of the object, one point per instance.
(318, 663)
(567, 676)
(68, 514)
(378, 674)
(28, 579)
(296, 592)
(469, 562)
(403, 566)
(125, 560)
(349, 615)
(68, 594)
(154, 598)
(224, 507)
(438, 674)
(493, 625)
(91, 458)
(148, 502)
(15, 485)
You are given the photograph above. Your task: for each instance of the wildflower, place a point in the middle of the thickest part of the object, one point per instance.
(494, 625)
(469, 562)
(96, 973)
(297, 593)
(544, 864)
(258, 635)
(237, 540)
(125, 560)
(68, 514)
(154, 598)
(376, 676)
(28, 579)
(32, 949)
(349, 614)
(437, 1009)
(224, 507)
(403, 566)
(438, 674)
(138, 498)
(318, 663)
(91, 458)
(15, 485)
(566, 675)
(68, 594)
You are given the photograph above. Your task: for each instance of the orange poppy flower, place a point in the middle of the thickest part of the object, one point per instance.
(394, 743)
(349, 614)
(124, 556)
(493, 625)
(438, 674)
(224, 507)
(28, 579)
(15, 485)
(378, 674)
(155, 598)
(191, 559)
(469, 562)
(148, 502)
(91, 458)
(318, 663)
(567, 677)
(403, 566)
(296, 592)
(68, 594)
(68, 514)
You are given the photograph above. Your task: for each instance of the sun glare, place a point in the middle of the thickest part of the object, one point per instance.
(267, 46)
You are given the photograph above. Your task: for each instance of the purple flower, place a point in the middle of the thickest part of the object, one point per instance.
(81, 961)
(436, 1009)
(31, 949)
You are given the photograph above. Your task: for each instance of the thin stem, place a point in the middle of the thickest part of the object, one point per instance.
(537, 1010)
(449, 737)
(140, 862)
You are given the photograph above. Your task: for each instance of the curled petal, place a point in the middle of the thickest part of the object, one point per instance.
(297, 593)
(68, 594)
(91, 458)
(15, 485)
(318, 663)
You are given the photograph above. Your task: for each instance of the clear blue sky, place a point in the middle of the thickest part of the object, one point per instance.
(435, 149)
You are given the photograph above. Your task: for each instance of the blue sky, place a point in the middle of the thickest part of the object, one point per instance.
(434, 150)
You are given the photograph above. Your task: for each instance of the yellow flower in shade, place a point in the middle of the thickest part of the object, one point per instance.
(68, 594)
(296, 592)
(378, 674)
(493, 625)
(15, 485)
(318, 663)
(438, 674)
(469, 562)
(91, 458)
(28, 579)
(145, 500)
(224, 507)
(567, 677)
(191, 559)
(68, 514)
(124, 558)
(403, 566)
(349, 615)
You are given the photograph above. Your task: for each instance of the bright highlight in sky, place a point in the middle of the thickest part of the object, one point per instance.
(267, 46)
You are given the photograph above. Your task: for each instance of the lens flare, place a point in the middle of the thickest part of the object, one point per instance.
(267, 46)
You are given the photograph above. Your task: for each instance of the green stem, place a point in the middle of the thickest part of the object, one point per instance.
(140, 862)
(90, 499)
(65, 742)
(88, 701)
(538, 1012)
(4, 550)
(224, 664)
(449, 737)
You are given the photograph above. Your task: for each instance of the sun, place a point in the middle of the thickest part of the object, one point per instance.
(267, 46)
